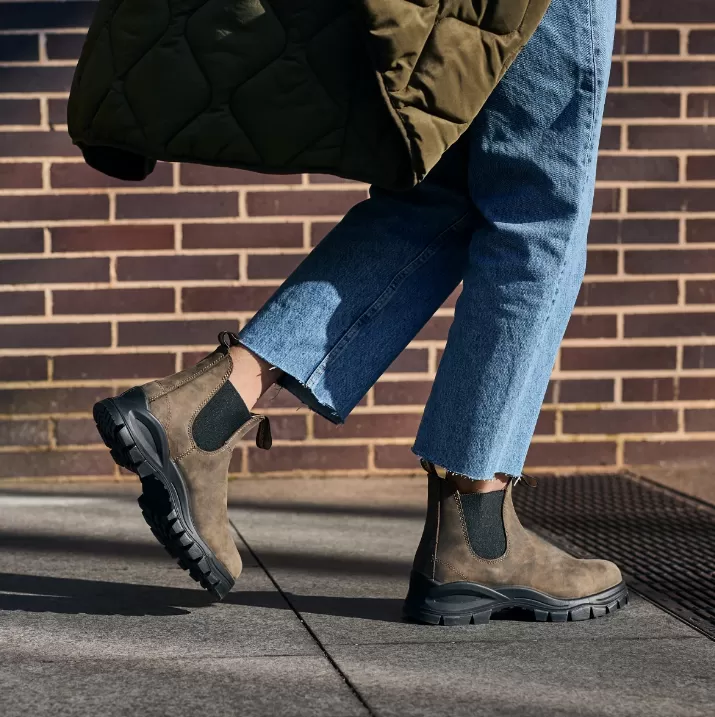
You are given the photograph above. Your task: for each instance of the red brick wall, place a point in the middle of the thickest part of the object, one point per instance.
(104, 284)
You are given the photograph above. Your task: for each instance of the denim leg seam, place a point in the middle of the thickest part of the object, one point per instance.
(381, 301)
(587, 166)
(595, 88)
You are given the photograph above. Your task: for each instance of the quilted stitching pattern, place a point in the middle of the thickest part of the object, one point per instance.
(373, 90)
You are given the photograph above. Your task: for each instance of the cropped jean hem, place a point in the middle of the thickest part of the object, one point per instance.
(479, 473)
(297, 388)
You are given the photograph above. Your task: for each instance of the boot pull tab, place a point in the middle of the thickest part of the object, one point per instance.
(528, 480)
(264, 439)
(228, 339)
(431, 468)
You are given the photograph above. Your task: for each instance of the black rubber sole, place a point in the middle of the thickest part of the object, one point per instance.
(465, 603)
(137, 442)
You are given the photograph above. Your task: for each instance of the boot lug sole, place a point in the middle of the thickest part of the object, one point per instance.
(164, 501)
(426, 603)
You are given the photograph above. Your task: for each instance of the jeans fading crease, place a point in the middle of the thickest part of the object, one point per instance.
(505, 212)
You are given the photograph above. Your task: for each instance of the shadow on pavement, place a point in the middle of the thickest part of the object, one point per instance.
(34, 593)
(364, 608)
(69, 544)
(320, 563)
(39, 594)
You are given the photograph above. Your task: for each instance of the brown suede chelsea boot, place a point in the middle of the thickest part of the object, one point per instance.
(475, 558)
(177, 435)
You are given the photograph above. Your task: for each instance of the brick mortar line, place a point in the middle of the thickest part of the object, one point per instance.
(654, 215)
(40, 64)
(683, 55)
(623, 310)
(370, 395)
(162, 221)
(661, 121)
(52, 434)
(683, 41)
(609, 343)
(167, 191)
(617, 393)
(619, 89)
(563, 409)
(35, 95)
(655, 183)
(623, 24)
(683, 114)
(105, 383)
(682, 290)
(620, 451)
(645, 58)
(278, 219)
(640, 90)
(60, 255)
(300, 250)
(416, 473)
(401, 441)
(172, 316)
(153, 284)
(153, 221)
(683, 231)
(633, 25)
(372, 443)
(170, 191)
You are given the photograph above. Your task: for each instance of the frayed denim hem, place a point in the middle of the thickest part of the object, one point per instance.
(308, 398)
(297, 388)
(487, 475)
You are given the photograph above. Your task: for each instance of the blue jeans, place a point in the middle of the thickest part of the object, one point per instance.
(506, 212)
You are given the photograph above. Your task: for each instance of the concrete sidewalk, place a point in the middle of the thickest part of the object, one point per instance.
(96, 618)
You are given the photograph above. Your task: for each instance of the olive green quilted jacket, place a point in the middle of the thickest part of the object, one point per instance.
(373, 90)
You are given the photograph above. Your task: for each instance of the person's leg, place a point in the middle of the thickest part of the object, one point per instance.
(361, 295)
(532, 168)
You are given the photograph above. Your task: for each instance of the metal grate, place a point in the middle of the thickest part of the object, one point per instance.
(663, 542)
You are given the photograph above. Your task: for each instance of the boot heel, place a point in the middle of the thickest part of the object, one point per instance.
(458, 603)
(114, 434)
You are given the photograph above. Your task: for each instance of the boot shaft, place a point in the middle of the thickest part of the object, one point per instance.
(191, 404)
(451, 547)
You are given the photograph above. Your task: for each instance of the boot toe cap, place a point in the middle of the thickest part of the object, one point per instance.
(605, 575)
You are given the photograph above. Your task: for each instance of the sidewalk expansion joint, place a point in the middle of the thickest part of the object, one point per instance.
(311, 632)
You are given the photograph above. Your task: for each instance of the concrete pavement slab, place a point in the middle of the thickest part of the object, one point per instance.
(93, 580)
(96, 618)
(539, 678)
(93, 527)
(38, 685)
(344, 567)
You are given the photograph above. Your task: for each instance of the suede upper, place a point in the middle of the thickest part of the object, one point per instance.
(445, 554)
(373, 90)
(175, 402)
